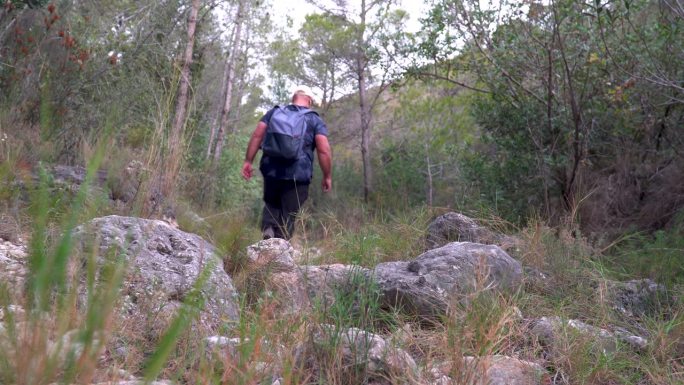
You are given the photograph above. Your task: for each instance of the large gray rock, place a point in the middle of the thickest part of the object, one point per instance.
(456, 227)
(370, 357)
(638, 298)
(491, 370)
(554, 332)
(329, 283)
(135, 382)
(13, 266)
(426, 285)
(225, 352)
(125, 185)
(503, 370)
(163, 265)
(72, 177)
(271, 270)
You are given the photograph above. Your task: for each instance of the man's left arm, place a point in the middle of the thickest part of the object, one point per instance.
(324, 160)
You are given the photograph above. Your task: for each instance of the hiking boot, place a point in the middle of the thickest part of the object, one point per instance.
(268, 233)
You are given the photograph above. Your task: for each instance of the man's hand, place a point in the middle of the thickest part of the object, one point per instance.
(247, 170)
(252, 148)
(325, 161)
(326, 184)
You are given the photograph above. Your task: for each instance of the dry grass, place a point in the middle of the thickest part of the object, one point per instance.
(272, 344)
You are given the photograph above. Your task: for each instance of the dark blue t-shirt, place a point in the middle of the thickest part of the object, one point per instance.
(301, 169)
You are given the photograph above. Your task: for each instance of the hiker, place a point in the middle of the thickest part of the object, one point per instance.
(287, 160)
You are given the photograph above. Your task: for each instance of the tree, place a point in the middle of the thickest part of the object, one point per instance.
(353, 37)
(176, 142)
(80, 61)
(564, 105)
(229, 82)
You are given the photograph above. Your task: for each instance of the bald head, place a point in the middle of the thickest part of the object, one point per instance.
(302, 99)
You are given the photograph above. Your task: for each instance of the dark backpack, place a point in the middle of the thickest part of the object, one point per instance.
(285, 133)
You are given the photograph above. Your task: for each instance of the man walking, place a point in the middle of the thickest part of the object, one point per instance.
(287, 177)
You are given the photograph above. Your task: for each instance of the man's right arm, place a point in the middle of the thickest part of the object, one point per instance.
(252, 149)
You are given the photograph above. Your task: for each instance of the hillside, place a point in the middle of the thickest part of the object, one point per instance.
(507, 204)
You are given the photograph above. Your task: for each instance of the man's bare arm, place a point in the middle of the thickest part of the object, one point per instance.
(252, 149)
(324, 160)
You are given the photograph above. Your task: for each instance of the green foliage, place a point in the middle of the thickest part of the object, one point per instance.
(221, 187)
(561, 102)
(502, 167)
(366, 237)
(657, 256)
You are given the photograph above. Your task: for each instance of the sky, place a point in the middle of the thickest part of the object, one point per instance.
(298, 9)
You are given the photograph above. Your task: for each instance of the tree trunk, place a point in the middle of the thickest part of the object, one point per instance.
(176, 135)
(429, 175)
(230, 82)
(365, 139)
(361, 63)
(211, 145)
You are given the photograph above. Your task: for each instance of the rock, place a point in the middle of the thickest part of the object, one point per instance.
(367, 353)
(124, 187)
(13, 311)
(163, 265)
(503, 370)
(550, 330)
(271, 270)
(275, 255)
(638, 298)
(10, 229)
(328, 283)
(221, 343)
(490, 370)
(134, 382)
(71, 346)
(72, 177)
(439, 373)
(75, 175)
(456, 227)
(227, 352)
(426, 285)
(13, 266)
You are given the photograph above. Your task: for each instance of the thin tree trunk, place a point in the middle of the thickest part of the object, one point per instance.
(569, 190)
(365, 140)
(363, 106)
(429, 175)
(230, 82)
(214, 127)
(240, 79)
(176, 135)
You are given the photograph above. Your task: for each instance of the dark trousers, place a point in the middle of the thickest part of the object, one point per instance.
(282, 200)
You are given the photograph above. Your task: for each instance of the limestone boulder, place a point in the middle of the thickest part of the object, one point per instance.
(370, 357)
(13, 266)
(426, 285)
(456, 227)
(124, 186)
(163, 265)
(329, 283)
(491, 370)
(72, 177)
(554, 332)
(504, 370)
(225, 351)
(638, 298)
(271, 270)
